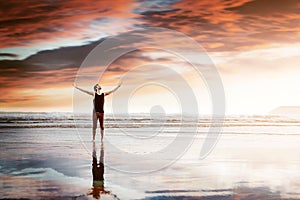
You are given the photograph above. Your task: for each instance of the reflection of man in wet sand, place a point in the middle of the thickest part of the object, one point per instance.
(98, 111)
(98, 172)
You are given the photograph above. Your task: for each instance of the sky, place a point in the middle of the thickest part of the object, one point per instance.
(253, 44)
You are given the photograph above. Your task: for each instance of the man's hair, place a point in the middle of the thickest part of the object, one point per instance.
(96, 86)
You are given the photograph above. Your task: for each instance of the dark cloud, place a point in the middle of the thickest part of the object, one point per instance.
(59, 66)
(11, 55)
(155, 12)
(28, 22)
(146, 6)
(44, 67)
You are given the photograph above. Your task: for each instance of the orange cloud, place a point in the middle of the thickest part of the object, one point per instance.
(238, 24)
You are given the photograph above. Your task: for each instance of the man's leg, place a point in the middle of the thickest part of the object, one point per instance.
(101, 120)
(94, 125)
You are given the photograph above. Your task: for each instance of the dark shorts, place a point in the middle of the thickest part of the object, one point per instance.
(98, 116)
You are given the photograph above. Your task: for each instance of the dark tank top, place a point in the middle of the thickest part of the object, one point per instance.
(98, 103)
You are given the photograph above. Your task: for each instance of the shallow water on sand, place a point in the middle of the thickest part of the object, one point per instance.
(56, 163)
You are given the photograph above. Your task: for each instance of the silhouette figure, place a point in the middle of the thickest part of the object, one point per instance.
(98, 111)
(98, 173)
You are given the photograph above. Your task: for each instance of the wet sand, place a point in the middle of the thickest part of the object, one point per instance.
(55, 163)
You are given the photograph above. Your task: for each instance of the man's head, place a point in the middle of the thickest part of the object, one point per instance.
(97, 87)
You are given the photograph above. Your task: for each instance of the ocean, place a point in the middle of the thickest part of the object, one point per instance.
(50, 156)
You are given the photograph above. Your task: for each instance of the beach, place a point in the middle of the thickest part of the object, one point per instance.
(49, 156)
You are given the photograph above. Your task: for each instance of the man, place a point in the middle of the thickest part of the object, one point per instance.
(98, 110)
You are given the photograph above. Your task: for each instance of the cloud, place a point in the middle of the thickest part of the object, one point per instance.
(266, 8)
(11, 55)
(232, 25)
(17, 100)
(26, 23)
(49, 63)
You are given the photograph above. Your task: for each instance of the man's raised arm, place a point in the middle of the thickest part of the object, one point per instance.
(112, 91)
(82, 90)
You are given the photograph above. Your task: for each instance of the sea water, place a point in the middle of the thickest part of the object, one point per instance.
(49, 156)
